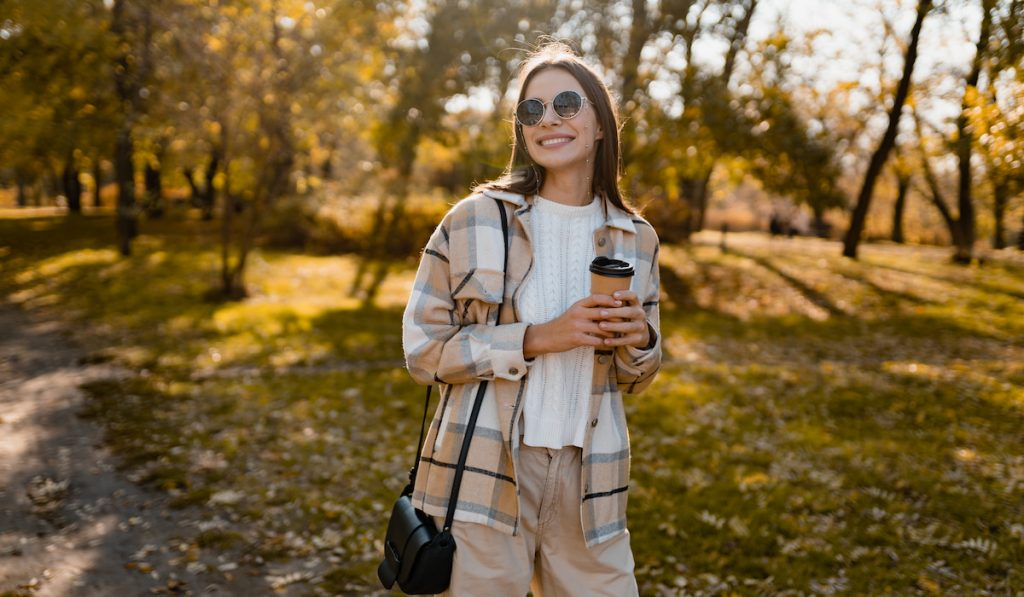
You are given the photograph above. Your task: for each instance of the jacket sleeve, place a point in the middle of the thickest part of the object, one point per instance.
(437, 347)
(636, 367)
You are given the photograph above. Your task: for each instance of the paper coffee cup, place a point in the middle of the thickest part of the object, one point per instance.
(608, 275)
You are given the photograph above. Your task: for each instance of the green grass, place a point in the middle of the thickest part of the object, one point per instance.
(821, 425)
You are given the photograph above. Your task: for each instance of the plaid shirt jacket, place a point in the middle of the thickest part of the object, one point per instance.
(449, 337)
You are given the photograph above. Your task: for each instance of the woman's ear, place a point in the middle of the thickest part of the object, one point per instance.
(600, 133)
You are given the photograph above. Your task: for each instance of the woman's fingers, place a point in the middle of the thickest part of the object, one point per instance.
(623, 327)
(632, 313)
(594, 329)
(627, 340)
(599, 300)
(626, 296)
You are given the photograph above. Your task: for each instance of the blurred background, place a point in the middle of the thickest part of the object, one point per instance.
(224, 201)
(332, 119)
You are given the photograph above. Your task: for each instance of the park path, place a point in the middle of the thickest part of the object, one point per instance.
(70, 524)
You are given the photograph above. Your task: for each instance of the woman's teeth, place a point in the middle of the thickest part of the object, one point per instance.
(546, 142)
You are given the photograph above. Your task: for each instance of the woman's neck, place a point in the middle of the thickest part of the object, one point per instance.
(570, 188)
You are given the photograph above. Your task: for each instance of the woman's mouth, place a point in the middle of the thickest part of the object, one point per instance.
(554, 141)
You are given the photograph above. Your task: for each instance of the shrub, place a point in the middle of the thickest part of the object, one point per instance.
(332, 223)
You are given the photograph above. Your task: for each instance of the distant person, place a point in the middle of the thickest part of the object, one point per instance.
(543, 501)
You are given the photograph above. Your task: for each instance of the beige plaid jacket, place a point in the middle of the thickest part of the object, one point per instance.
(450, 338)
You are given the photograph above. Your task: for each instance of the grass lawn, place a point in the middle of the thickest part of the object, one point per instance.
(821, 426)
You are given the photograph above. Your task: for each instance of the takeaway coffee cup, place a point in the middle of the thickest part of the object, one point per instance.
(608, 275)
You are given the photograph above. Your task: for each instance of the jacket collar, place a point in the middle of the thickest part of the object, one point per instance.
(614, 217)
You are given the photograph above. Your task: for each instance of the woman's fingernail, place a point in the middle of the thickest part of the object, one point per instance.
(604, 314)
(618, 303)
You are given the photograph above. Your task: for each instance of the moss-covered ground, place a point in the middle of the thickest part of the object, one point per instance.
(821, 425)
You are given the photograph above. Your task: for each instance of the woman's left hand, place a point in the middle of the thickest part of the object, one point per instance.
(629, 320)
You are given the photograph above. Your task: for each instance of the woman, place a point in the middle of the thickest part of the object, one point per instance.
(543, 499)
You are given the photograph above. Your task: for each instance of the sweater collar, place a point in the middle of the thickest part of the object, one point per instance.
(614, 217)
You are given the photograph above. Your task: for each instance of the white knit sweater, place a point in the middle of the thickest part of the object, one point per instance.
(558, 384)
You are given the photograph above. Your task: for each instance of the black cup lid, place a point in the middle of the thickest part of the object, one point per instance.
(614, 268)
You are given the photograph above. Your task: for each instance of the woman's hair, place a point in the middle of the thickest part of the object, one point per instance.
(523, 175)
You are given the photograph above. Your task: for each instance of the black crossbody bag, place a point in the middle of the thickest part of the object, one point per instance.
(416, 555)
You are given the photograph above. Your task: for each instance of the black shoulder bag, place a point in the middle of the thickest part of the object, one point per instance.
(416, 554)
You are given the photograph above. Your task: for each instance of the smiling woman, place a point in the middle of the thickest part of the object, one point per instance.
(522, 344)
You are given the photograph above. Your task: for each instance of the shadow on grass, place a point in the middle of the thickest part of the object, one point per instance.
(818, 298)
(792, 474)
(368, 280)
(953, 281)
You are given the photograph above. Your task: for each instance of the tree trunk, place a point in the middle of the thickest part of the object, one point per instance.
(860, 210)
(72, 186)
(209, 195)
(275, 177)
(999, 196)
(638, 33)
(821, 228)
(1020, 237)
(902, 186)
(193, 189)
(22, 196)
(702, 199)
(154, 192)
(124, 173)
(965, 138)
(935, 194)
(127, 92)
(97, 185)
(227, 215)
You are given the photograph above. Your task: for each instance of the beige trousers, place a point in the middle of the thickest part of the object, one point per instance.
(549, 555)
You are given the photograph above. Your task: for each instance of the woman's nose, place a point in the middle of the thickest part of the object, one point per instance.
(550, 118)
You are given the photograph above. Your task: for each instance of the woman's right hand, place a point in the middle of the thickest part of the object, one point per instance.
(578, 326)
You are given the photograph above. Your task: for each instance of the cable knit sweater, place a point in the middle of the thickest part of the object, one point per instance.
(558, 384)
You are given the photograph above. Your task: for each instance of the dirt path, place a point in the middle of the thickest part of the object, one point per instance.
(69, 523)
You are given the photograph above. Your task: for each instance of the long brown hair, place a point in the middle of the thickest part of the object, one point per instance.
(523, 175)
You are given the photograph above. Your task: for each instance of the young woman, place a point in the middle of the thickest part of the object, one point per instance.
(543, 499)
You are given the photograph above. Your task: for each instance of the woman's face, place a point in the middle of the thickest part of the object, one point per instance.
(557, 144)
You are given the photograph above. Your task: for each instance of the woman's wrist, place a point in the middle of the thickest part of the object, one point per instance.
(533, 341)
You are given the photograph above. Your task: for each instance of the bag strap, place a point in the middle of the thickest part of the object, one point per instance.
(471, 425)
(419, 446)
(453, 501)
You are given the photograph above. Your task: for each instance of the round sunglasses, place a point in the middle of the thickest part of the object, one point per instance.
(567, 104)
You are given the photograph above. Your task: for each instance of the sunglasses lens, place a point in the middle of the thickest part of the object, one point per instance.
(530, 112)
(567, 104)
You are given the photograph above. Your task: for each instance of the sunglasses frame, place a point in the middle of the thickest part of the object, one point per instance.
(583, 103)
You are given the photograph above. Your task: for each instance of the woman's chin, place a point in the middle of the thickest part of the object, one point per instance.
(559, 164)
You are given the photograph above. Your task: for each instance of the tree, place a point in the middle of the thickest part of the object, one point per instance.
(902, 170)
(788, 149)
(935, 193)
(996, 116)
(860, 211)
(964, 252)
(54, 82)
(456, 55)
(132, 28)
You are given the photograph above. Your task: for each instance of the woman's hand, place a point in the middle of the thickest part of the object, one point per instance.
(598, 320)
(578, 326)
(628, 322)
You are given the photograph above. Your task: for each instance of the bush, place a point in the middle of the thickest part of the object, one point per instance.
(324, 224)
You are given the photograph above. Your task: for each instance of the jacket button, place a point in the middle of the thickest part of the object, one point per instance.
(601, 241)
(602, 359)
(593, 423)
(513, 371)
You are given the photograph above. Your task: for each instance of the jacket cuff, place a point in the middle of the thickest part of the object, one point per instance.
(636, 357)
(507, 361)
